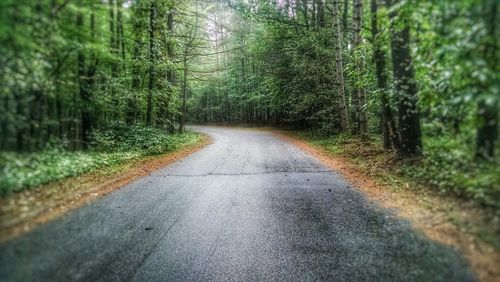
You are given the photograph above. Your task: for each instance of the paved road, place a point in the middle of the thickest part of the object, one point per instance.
(248, 207)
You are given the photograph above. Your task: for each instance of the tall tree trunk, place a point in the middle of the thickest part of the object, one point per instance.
(182, 120)
(320, 14)
(170, 45)
(487, 131)
(112, 31)
(171, 72)
(21, 130)
(305, 12)
(113, 47)
(92, 69)
(84, 91)
(151, 84)
(119, 30)
(387, 118)
(138, 26)
(361, 118)
(344, 117)
(487, 111)
(406, 90)
(314, 21)
(345, 17)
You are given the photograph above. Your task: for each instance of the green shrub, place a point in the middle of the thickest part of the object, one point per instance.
(448, 166)
(20, 171)
(110, 147)
(150, 141)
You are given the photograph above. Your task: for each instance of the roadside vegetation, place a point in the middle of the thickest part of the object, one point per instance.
(88, 85)
(110, 147)
(446, 167)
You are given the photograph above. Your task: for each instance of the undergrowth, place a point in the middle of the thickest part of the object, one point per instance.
(445, 168)
(115, 145)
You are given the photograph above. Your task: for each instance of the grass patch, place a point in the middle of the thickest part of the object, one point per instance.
(111, 147)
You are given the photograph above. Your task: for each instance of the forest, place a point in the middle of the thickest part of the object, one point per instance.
(86, 83)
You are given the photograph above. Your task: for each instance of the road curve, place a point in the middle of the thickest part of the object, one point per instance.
(250, 206)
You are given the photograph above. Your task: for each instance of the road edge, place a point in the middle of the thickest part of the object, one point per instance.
(71, 193)
(410, 206)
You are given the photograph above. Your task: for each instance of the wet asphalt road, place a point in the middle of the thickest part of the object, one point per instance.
(250, 206)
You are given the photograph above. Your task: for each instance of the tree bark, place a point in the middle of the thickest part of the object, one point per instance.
(151, 83)
(304, 11)
(84, 89)
(112, 33)
(345, 15)
(182, 119)
(171, 72)
(344, 117)
(132, 103)
(113, 47)
(487, 111)
(387, 118)
(359, 92)
(406, 90)
(119, 30)
(320, 14)
(170, 45)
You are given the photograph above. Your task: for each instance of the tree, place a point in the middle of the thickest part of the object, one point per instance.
(405, 87)
(387, 122)
(344, 116)
(72, 69)
(132, 109)
(487, 109)
(85, 82)
(152, 62)
(171, 75)
(359, 92)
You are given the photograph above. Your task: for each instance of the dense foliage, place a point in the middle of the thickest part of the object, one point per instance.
(90, 83)
(70, 67)
(448, 166)
(111, 147)
(405, 67)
